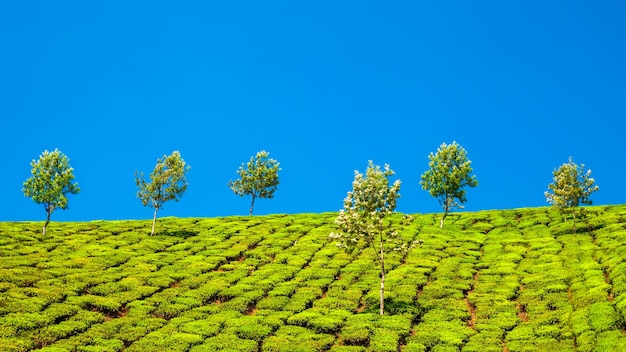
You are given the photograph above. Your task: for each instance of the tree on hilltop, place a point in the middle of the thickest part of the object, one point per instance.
(167, 182)
(362, 219)
(449, 173)
(258, 179)
(50, 182)
(571, 187)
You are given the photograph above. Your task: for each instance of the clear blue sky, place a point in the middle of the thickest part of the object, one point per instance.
(323, 86)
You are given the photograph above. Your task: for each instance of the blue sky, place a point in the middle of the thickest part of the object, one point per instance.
(323, 86)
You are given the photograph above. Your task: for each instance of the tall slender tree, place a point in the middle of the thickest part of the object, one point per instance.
(447, 177)
(362, 219)
(168, 181)
(571, 187)
(50, 182)
(257, 179)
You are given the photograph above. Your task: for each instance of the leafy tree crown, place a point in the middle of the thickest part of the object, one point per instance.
(51, 180)
(258, 177)
(167, 181)
(365, 207)
(448, 175)
(571, 187)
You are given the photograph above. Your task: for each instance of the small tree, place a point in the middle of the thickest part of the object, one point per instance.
(361, 221)
(258, 179)
(571, 186)
(449, 173)
(167, 182)
(51, 180)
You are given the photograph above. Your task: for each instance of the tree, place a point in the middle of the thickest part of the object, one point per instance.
(571, 186)
(361, 221)
(449, 173)
(258, 179)
(167, 182)
(50, 182)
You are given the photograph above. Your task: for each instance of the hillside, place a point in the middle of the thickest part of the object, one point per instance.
(512, 280)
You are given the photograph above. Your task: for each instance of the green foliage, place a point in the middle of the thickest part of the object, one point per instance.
(610, 341)
(571, 187)
(295, 338)
(372, 199)
(254, 331)
(167, 182)
(449, 173)
(258, 179)
(207, 327)
(441, 334)
(602, 317)
(273, 302)
(50, 182)
(384, 340)
(158, 341)
(226, 342)
(319, 320)
(348, 349)
(356, 334)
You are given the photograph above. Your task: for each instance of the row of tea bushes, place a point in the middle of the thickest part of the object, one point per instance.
(609, 228)
(496, 289)
(543, 299)
(445, 319)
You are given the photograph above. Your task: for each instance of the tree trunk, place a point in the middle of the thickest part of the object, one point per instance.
(574, 217)
(45, 225)
(382, 277)
(154, 220)
(252, 204)
(442, 219)
(446, 209)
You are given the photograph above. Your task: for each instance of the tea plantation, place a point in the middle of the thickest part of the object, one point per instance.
(510, 280)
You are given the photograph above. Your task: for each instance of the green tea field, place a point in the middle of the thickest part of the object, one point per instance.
(502, 280)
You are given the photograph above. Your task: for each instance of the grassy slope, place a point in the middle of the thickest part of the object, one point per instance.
(511, 280)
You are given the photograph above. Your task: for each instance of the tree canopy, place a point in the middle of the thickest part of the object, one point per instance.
(50, 182)
(257, 179)
(448, 176)
(571, 187)
(167, 182)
